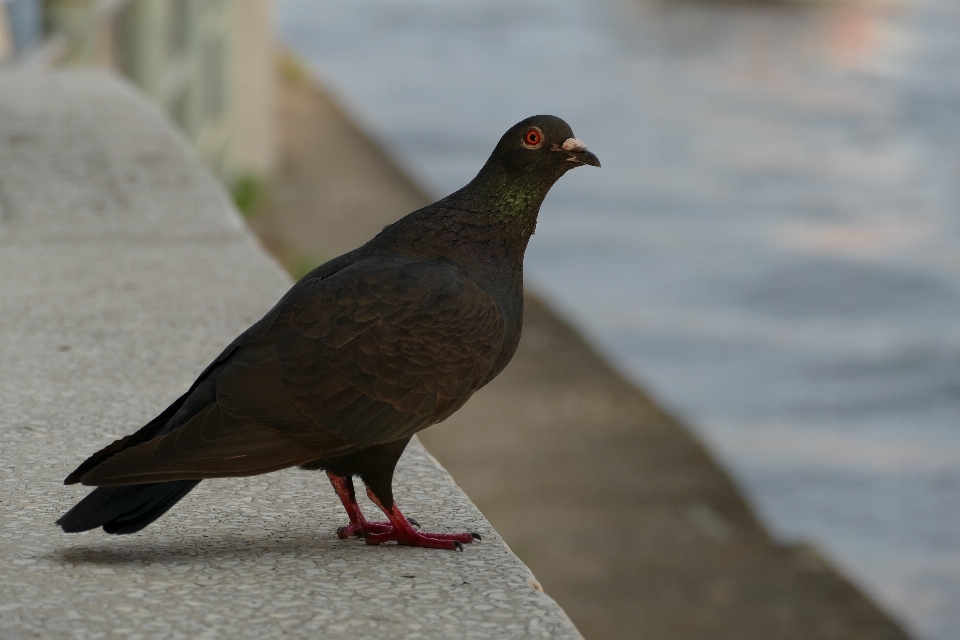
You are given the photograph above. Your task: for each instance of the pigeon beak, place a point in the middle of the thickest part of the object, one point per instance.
(578, 153)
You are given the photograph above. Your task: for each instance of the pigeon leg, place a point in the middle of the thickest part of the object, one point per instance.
(358, 526)
(405, 534)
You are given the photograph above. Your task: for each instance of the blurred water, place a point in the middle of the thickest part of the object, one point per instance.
(772, 245)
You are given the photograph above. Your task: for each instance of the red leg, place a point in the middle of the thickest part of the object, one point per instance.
(358, 526)
(405, 534)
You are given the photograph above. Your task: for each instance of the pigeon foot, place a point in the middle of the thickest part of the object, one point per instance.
(359, 526)
(410, 537)
(362, 529)
(448, 541)
(404, 534)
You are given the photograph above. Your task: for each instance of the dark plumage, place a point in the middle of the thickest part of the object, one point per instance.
(358, 356)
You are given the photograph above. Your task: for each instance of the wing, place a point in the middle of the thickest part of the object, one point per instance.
(372, 354)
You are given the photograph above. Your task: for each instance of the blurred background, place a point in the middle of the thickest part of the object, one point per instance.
(772, 247)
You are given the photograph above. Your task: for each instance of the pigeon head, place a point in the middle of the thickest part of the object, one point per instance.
(541, 147)
(503, 200)
(530, 157)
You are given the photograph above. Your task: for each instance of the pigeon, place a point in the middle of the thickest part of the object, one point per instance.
(358, 356)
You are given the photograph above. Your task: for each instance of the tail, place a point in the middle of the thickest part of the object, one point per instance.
(126, 508)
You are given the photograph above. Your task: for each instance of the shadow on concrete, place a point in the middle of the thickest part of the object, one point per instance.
(218, 546)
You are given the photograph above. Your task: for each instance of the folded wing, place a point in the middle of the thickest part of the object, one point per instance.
(372, 354)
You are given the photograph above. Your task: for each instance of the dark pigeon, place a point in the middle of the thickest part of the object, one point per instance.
(362, 353)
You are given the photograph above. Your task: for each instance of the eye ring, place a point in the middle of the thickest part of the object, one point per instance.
(533, 138)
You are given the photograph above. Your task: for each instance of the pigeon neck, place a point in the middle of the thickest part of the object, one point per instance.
(484, 228)
(508, 201)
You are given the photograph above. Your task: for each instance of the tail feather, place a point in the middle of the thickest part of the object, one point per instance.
(126, 508)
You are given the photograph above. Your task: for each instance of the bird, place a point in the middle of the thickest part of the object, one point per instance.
(359, 355)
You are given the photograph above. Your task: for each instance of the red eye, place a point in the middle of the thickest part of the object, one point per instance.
(533, 137)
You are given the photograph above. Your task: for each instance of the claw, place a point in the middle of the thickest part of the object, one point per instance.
(476, 536)
(413, 522)
(457, 545)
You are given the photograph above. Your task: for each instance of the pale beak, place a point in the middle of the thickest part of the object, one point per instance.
(577, 152)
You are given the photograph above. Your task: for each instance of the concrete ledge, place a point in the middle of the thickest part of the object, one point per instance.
(123, 271)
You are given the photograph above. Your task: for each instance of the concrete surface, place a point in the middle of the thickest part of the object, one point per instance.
(123, 271)
(620, 511)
